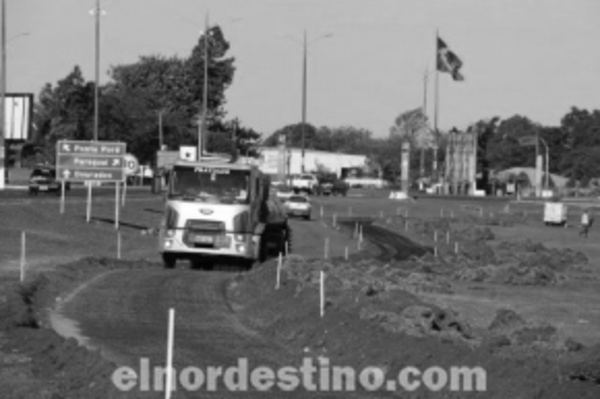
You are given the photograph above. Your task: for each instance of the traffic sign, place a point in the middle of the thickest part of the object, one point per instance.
(131, 164)
(90, 161)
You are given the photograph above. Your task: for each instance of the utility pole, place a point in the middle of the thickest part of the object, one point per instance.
(160, 130)
(304, 101)
(2, 102)
(422, 150)
(96, 103)
(202, 131)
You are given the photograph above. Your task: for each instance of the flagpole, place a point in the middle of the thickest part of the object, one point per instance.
(422, 160)
(436, 108)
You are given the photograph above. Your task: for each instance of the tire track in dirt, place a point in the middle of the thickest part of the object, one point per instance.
(125, 314)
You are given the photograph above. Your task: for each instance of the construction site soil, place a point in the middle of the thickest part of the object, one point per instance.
(374, 314)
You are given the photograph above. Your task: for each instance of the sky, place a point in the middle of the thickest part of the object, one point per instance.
(535, 58)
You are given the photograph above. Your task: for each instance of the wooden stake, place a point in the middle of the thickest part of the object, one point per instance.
(23, 257)
(321, 212)
(448, 237)
(170, 339)
(322, 293)
(456, 247)
(346, 253)
(326, 247)
(117, 205)
(279, 264)
(435, 251)
(434, 235)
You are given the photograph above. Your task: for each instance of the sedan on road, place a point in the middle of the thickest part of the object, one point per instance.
(43, 179)
(298, 205)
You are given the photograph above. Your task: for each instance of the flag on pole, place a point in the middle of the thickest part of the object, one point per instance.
(447, 61)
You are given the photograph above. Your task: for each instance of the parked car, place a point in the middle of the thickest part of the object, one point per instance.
(43, 178)
(298, 205)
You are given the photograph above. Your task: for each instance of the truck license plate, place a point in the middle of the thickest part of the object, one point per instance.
(203, 239)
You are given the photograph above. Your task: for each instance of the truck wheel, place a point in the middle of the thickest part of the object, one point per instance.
(169, 261)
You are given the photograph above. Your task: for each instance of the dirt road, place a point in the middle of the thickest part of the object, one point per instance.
(124, 314)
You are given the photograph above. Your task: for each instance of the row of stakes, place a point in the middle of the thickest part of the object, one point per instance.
(357, 233)
(23, 257)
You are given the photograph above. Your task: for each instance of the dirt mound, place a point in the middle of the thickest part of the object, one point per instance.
(50, 365)
(391, 328)
(419, 321)
(472, 254)
(507, 325)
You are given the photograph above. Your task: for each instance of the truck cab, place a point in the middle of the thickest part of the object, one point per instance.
(214, 209)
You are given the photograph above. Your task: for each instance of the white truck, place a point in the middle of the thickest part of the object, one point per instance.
(555, 214)
(305, 182)
(218, 210)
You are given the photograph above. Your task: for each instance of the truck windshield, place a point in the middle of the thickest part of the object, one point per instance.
(210, 184)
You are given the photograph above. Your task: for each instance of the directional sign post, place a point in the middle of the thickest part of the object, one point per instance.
(90, 162)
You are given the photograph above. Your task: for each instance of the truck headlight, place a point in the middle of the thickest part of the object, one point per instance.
(240, 248)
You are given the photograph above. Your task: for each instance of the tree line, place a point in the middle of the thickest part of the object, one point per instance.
(164, 95)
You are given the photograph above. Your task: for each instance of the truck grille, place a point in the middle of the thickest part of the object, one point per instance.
(202, 233)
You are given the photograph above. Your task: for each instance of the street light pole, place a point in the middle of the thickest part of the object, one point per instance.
(547, 177)
(2, 101)
(202, 131)
(97, 72)
(304, 78)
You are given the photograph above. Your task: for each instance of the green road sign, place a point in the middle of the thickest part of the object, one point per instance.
(90, 161)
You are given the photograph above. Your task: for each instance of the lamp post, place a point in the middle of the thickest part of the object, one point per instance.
(304, 86)
(547, 177)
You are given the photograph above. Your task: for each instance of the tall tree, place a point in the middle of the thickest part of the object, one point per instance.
(64, 111)
(503, 148)
(293, 135)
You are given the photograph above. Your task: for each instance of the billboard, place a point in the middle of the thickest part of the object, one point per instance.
(18, 113)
